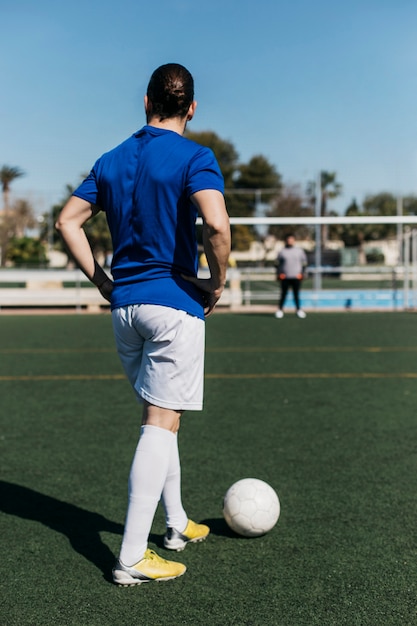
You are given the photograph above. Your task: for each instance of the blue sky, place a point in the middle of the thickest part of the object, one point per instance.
(309, 85)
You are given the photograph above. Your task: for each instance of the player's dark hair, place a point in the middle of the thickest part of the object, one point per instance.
(170, 91)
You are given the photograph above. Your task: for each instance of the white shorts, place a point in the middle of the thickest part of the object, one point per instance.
(162, 353)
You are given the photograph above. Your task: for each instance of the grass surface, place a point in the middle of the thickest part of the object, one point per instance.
(323, 409)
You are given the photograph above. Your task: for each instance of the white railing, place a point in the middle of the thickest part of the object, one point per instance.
(45, 288)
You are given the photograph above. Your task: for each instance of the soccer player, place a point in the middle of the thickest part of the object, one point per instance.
(152, 187)
(291, 264)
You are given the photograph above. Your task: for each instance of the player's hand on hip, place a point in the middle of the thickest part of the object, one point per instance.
(106, 289)
(211, 294)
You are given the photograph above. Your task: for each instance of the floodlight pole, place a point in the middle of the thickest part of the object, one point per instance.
(400, 230)
(414, 265)
(407, 268)
(317, 255)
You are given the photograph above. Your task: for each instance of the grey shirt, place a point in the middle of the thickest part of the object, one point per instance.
(291, 261)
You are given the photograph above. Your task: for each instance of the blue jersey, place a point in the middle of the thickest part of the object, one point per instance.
(144, 186)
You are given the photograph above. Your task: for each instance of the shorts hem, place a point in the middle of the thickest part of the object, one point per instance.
(174, 406)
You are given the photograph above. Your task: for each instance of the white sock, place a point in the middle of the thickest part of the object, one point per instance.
(175, 515)
(146, 481)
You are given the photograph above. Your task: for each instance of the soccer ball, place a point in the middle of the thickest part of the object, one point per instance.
(251, 507)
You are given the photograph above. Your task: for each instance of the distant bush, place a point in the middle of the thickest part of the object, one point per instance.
(374, 256)
(27, 252)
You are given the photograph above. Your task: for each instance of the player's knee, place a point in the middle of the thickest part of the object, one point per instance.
(161, 417)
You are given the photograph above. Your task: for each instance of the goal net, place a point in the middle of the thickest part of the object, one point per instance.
(378, 274)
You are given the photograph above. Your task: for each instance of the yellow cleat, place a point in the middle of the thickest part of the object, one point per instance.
(151, 567)
(193, 533)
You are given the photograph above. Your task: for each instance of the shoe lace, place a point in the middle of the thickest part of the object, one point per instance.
(152, 556)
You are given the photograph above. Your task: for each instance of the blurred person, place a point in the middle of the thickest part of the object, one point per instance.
(291, 265)
(152, 187)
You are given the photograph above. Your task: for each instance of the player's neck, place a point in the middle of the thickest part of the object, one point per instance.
(176, 124)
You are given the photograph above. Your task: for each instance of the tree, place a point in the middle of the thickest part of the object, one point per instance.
(351, 234)
(224, 151)
(329, 188)
(380, 204)
(247, 185)
(383, 204)
(257, 181)
(98, 234)
(14, 225)
(256, 184)
(7, 175)
(47, 231)
(27, 252)
(410, 205)
(291, 203)
(259, 173)
(22, 217)
(97, 230)
(241, 237)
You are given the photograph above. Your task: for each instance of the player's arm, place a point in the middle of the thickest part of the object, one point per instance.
(216, 240)
(304, 265)
(70, 224)
(280, 268)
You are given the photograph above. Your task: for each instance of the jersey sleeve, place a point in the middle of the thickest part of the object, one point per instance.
(88, 190)
(204, 173)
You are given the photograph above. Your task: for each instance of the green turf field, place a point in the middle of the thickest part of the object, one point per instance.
(324, 409)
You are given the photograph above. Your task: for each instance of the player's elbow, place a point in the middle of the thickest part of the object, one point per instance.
(61, 224)
(58, 225)
(218, 225)
(64, 225)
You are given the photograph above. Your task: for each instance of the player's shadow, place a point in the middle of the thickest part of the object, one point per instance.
(82, 527)
(219, 527)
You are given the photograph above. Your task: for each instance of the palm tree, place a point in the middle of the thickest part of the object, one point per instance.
(22, 217)
(7, 176)
(329, 188)
(322, 190)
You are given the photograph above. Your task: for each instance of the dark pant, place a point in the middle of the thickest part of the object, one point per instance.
(294, 284)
